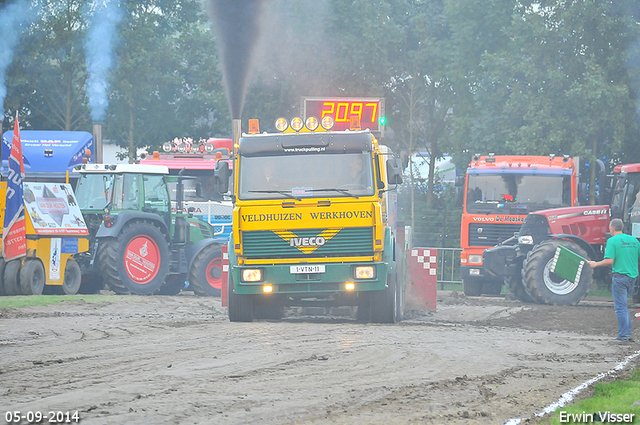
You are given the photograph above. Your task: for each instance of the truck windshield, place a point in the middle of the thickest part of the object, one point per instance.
(306, 176)
(93, 191)
(516, 193)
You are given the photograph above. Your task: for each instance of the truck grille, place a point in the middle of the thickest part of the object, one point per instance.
(347, 242)
(491, 234)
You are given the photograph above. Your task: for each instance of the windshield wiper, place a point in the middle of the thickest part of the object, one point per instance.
(343, 191)
(280, 192)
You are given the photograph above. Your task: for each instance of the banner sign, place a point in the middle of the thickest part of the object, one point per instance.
(53, 209)
(14, 234)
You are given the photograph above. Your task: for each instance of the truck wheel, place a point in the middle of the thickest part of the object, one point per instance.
(472, 287)
(383, 303)
(32, 277)
(363, 313)
(72, 278)
(173, 284)
(546, 287)
(137, 261)
(11, 277)
(240, 307)
(205, 275)
(516, 287)
(2, 263)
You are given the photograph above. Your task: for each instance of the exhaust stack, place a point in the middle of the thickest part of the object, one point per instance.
(97, 139)
(236, 131)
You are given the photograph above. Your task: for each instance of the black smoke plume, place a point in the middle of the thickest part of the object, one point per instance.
(237, 25)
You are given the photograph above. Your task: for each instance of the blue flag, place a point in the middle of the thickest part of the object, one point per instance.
(14, 235)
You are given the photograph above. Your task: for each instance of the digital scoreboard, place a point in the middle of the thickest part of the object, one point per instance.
(368, 110)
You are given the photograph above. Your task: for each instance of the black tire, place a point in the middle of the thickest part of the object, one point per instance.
(32, 277)
(205, 275)
(472, 287)
(72, 278)
(173, 284)
(12, 277)
(2, 263)
(545, 287)
(363, 313)
(123, 264)
(635, 295)
(383, 303)
(516, 287)
(240, 307)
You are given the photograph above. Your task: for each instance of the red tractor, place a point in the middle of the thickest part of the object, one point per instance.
(525, 260)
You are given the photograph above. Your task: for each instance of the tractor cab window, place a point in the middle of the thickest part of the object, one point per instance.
(93, 191)
(631, 208)
(156, 196)
(127, 192)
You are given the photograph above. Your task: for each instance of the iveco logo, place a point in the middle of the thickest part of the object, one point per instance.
(317, 241)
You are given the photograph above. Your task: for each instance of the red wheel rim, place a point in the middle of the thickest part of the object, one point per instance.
(214, 273)
(142, 259)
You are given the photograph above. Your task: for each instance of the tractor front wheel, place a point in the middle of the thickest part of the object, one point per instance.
(72, 278)
(205, 275)
(32, 277)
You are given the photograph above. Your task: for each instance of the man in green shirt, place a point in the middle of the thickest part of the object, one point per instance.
(622, 253)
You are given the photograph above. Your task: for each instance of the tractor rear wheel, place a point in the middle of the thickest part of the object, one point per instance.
(11, 277)
(240, 307)
(205, 275)
(32, 277)
(546, 287)
(137, 261)
(173, 284)
(72, 278)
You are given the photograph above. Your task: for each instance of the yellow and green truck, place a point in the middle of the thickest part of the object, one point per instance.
(313, 222)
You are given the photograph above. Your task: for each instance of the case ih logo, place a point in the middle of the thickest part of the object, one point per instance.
(305, 244)
(595, 212)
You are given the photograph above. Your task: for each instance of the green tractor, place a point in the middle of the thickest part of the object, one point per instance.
(140, 242)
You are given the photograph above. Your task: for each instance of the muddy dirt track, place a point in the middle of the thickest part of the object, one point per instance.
(178, 360)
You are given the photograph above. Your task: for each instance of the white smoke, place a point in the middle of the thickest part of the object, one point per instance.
(99, 51)
(13, 18)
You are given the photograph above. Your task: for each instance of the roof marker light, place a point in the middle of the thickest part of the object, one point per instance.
(312, 123)
(327, 122)
(281, 124)
(297, 123)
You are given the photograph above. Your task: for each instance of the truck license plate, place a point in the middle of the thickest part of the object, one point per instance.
(317, 268)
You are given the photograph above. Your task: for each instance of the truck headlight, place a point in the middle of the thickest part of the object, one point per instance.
(525, 240)
(475, 259)
(365, 272)
(252, 275)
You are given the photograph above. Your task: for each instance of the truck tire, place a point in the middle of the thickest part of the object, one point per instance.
(516, 287)
(548, 288)
(11, 277)
(492, 287)
(72, 278)
(137, 261)
(240, 307)
(472, 287)
(173, 284)
(205, 275)
(32, 277)
(383, 303)
(2, 263)
(363, 313)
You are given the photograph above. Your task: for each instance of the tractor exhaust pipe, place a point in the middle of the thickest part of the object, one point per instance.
(97, 140)
(236, 131)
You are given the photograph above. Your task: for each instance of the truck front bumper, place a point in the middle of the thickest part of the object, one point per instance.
(333, 280)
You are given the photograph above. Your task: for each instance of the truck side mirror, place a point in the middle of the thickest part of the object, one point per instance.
(221, 175)
(394, 171)
(459, 196)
